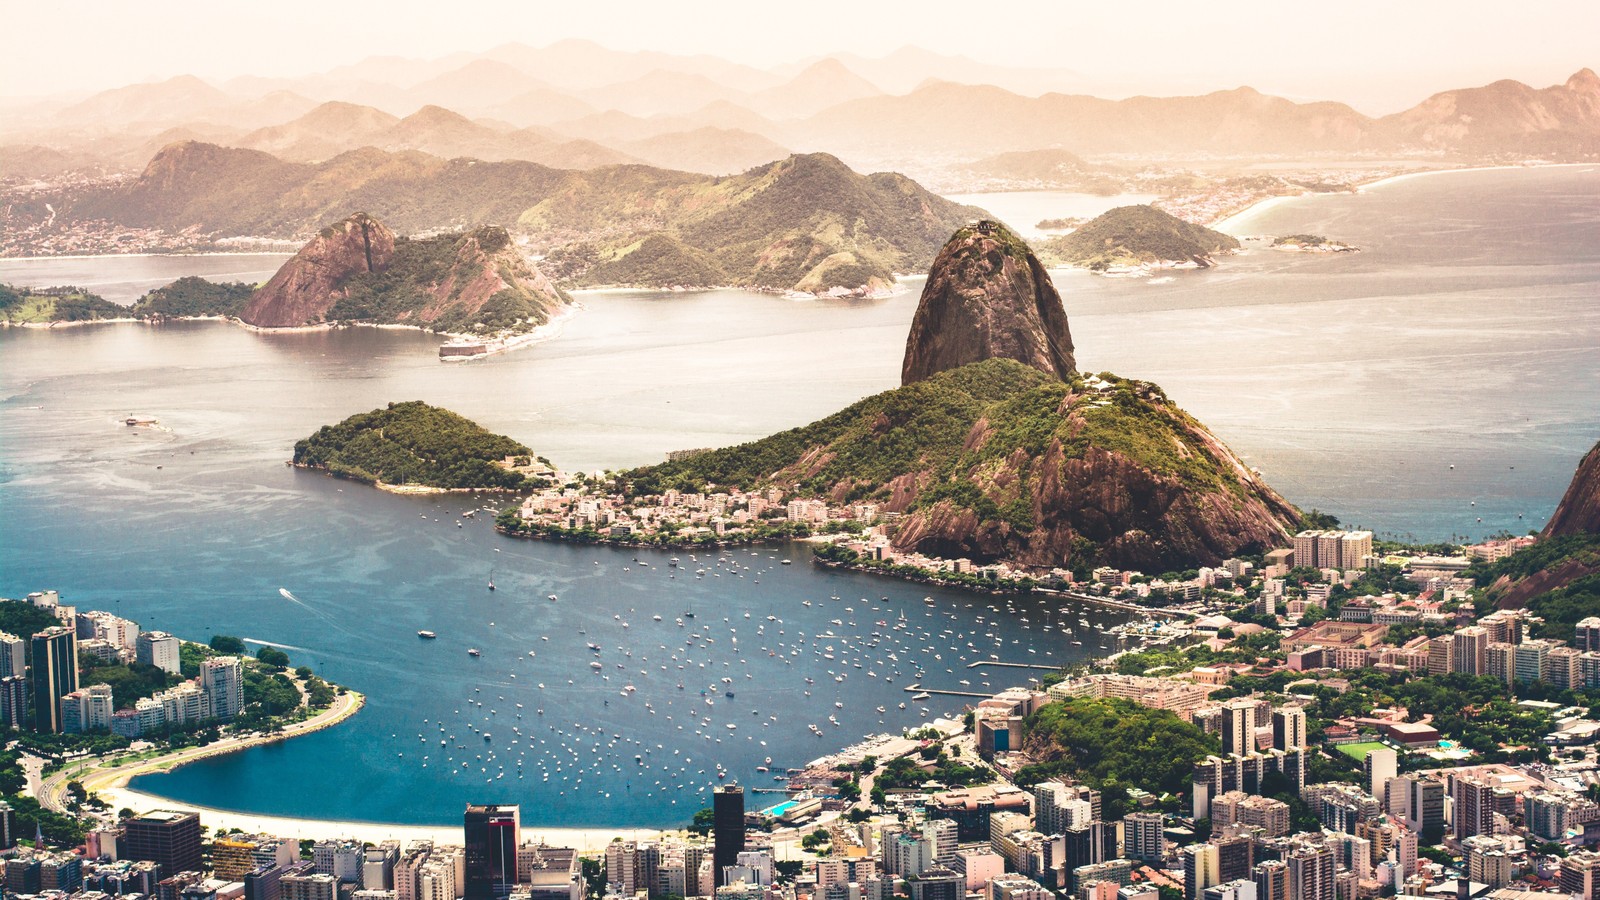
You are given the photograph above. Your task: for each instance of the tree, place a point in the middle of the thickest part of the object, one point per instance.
(226, 643)
(703, 821)
(272, 656)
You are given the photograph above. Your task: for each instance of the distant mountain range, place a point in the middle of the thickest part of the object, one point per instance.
(708, 115)
(804, 222)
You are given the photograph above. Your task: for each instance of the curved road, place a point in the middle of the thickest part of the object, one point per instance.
(97, 773)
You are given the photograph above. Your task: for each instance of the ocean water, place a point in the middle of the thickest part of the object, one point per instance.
(1465, 335)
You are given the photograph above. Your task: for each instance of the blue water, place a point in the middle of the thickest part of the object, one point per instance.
(1465, 333)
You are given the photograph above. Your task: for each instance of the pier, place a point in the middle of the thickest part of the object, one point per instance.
(989, 662)
(917, 688)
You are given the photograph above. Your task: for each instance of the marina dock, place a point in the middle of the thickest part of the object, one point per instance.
(917, 688)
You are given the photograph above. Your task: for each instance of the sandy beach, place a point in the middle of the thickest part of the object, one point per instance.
(1225, 223)
(584, 839)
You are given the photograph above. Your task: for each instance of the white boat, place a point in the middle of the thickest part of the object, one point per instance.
(426, 634)
(473, 651)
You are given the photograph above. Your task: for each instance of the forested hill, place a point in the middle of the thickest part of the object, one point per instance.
(999, 461)
(413, 443)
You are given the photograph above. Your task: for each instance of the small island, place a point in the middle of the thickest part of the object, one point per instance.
(55, 306)
(1311, 243)
(1136, 240)
(416, 448)
(190, 297)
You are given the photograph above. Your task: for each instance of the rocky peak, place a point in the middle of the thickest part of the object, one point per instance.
(987, 297)
(1579, 510)
(1584, 81)
(308, 285)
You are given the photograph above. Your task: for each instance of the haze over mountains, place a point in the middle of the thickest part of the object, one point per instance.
(575, 104)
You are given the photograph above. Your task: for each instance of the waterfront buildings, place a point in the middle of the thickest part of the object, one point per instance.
(13, 701)
(727, 825)
(169, 839)
(159, 649)
(222, 686)
(55, 675)
(13, 655)
(492, 834)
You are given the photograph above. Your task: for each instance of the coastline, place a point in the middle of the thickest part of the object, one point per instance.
(1225, 222)
(584, 839)
(112, 780)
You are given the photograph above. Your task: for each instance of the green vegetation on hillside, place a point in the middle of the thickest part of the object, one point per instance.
(968, 437)
(919, 427)
(657, 259)
(432, 273)
(129, 682)
(31, 306)
(1561, 608)
(1112, 745)
(412, 443)
(192, 296)
(1130, 235)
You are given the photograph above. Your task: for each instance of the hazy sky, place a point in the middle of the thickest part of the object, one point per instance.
(1380, 55)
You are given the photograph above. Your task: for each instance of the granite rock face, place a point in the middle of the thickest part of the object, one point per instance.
(1579, 510)
(987, 297)
(309, 284)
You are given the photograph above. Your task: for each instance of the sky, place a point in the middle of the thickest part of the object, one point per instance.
(1380, 56)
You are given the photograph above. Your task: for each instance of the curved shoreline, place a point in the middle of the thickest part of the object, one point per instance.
(112, 780)
(1265, 203)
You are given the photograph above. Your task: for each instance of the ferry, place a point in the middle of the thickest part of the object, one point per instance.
(426, 634)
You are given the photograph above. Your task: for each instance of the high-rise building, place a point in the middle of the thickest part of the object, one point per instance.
(1500, 660)
(938, 883)
(342, 859)
(1564, 668)
(1586, 634)
(1241, 889)
(159, 649)
(222, 686)
(1473, 805)
(491, 837)
(377, 871)
(1289, 728)
(1580, 872)
(13, 701)
(169, 839)
(1531, 660)
(1200, 869)
(13, 655)
(1238, 726)
(1468, 646)
(1381, 765)
(87, 709)
(1487, 860)
(727, 827)
(1272, 880)
(1058, 806)
(263, 883)
(1143, 838)
(8, 826)
(1425, 807)
(55, 675)
(1311, 871)
(309, 886)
